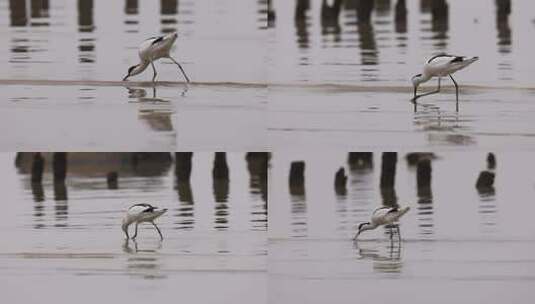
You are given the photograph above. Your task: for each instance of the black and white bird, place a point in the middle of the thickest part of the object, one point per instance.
(383, 216)
(441, 65)
(140, 213)
(151, 50)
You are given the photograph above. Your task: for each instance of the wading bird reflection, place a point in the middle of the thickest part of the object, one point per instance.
(151, 50)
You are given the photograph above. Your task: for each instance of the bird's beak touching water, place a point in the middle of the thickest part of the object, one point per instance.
(126, 77)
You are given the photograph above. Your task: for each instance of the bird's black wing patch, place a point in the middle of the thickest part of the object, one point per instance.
(149, 208)
(457, 59)
(394, 209)
(157, 40)
(437, 56)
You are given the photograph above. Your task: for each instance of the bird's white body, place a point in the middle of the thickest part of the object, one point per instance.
(155, 48)
(140, 213)
(382, 216)
(443, 65)
(151, 50)
(387, 215)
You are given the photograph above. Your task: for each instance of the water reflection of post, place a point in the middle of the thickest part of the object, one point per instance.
(440, 22)
(301, 23)
(257, 165)
(340, 181)
(131, 10)
(487, 196)
(85, 25)
(329, 19)
(367, 44)
(220, 174)
(270, 14)
(296, 183)
(382, 7)
(169, 10)
(59, 165)
(183, 187)
(503, 10)
(400, 19)
(38, 192)
(17, 13)
(425, 196)
(39, 10)
(362, 190)
(388, 179)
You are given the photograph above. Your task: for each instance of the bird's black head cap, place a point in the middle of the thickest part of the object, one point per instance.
(362, 224)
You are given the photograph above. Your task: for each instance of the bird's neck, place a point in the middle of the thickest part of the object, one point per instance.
(140, 68)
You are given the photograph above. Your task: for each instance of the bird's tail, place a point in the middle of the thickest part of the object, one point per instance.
(404, 210)
(160, 211)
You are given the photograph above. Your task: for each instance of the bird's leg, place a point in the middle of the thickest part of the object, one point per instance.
(153, 69)
(181, 69)
(159, 232)
(391, 233)
(399, 235)
(456, 92)
(127, 236)
(135, 233)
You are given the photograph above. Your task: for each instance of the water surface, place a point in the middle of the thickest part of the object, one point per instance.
(462, 243)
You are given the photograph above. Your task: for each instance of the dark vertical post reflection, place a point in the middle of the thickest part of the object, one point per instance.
(131, 10)
(38, 167)
(220, 175)
(257, 165)
(340, 182)
(487, 196)
(296, 182)
(301, 23)
(329, 19)
(183, 187)
(388, 178)
(425, 196)
(503, 10)
(112, 180)
(169, 10)
(440, 22)
(86, 45)
(383, 7)
(362, 189)
(39, 9)
(270, 14)
(367, 44)
(131, 7)
(17, 13)
(401, 17)
(425, 6)
(59, 165)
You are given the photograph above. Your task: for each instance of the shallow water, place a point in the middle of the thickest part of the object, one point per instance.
(57, 240)
(98, 40)
(380, 118)
(392, 46)
(457, 241)
(110, 116)
(64, 62)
